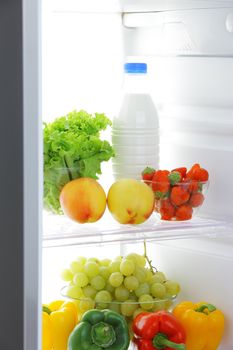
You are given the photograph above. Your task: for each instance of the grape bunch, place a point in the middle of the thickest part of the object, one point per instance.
(128, 285)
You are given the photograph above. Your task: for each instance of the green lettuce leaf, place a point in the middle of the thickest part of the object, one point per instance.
(72, 149)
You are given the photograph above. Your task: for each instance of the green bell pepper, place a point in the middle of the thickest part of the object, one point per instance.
(100, 330)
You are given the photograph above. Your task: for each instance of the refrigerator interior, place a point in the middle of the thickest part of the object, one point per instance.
(190, 59)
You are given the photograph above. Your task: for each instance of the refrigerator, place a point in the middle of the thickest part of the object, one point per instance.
(57, 56)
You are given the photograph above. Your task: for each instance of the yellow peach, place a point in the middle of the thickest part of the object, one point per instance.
(83, 200)
(130, 201)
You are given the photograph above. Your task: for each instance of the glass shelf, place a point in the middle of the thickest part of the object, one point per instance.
(59, 231)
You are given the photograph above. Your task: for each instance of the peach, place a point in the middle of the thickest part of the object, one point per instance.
(83, 200)
(130, 201)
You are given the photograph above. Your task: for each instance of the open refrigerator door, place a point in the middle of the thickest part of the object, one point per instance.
(187, 46)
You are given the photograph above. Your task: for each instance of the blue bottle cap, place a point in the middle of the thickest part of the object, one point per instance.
(135, 68)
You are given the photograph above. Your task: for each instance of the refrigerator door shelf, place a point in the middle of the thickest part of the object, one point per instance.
(205, 32)
(60, 231)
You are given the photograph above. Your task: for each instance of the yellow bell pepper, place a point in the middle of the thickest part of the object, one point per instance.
(58, 320)
(203, 324)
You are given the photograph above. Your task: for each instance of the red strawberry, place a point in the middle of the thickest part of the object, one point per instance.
(179, 195)
(184, 212)
(160, 181)
(181, 170)
(147, 174)
(200, 174)
(191, 186)
(189, 174)
(167, 210)
(196, 199)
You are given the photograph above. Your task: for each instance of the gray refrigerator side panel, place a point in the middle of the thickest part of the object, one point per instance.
(32, 144)
(11, 176)
(19, 178)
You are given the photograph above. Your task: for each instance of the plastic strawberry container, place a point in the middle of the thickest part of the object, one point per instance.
(178, 202)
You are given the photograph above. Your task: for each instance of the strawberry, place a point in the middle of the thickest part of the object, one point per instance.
(189, 174)
(160, 181)
(200, 175)
(184, 212)
(174, 177)
(179, 195)
(147, 174)
(167, 210)
(181, 170)
(196, 199)
(191, 186)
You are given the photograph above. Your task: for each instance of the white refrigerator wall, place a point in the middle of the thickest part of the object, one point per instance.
(81, 62)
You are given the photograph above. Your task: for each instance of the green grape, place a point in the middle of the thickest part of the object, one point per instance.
(158, 277)
(101, 306)
(94, 260)
(137, 312)
(76, 267)
(91, 268)
(74, 292)
(162, 275)
(132, 257)
(81, 260)
(105, 262)
(89, 291)
(131, 283)
(172, 288)
(142, 289)
(121, 293)
(140, 274)
(146, 302)
(149, 274)
(86, 304)
(159, 305)
(132, 296)
(80, 279)
(66, 275)
(102, 299)
(115, 307)
(118, 258)
(115, 279)
(114, 266)
(140, 260)
(127, 267)
(98, 282)
(104, 272)
(103, 296)
(128, 307)
(158, 290)
(109, 287)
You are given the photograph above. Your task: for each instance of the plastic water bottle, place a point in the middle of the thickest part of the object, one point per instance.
(135, 129)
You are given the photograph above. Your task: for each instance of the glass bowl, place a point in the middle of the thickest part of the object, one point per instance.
(180, 201)
(129, 308)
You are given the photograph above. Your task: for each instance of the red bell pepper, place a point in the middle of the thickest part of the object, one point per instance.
(158, 330)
